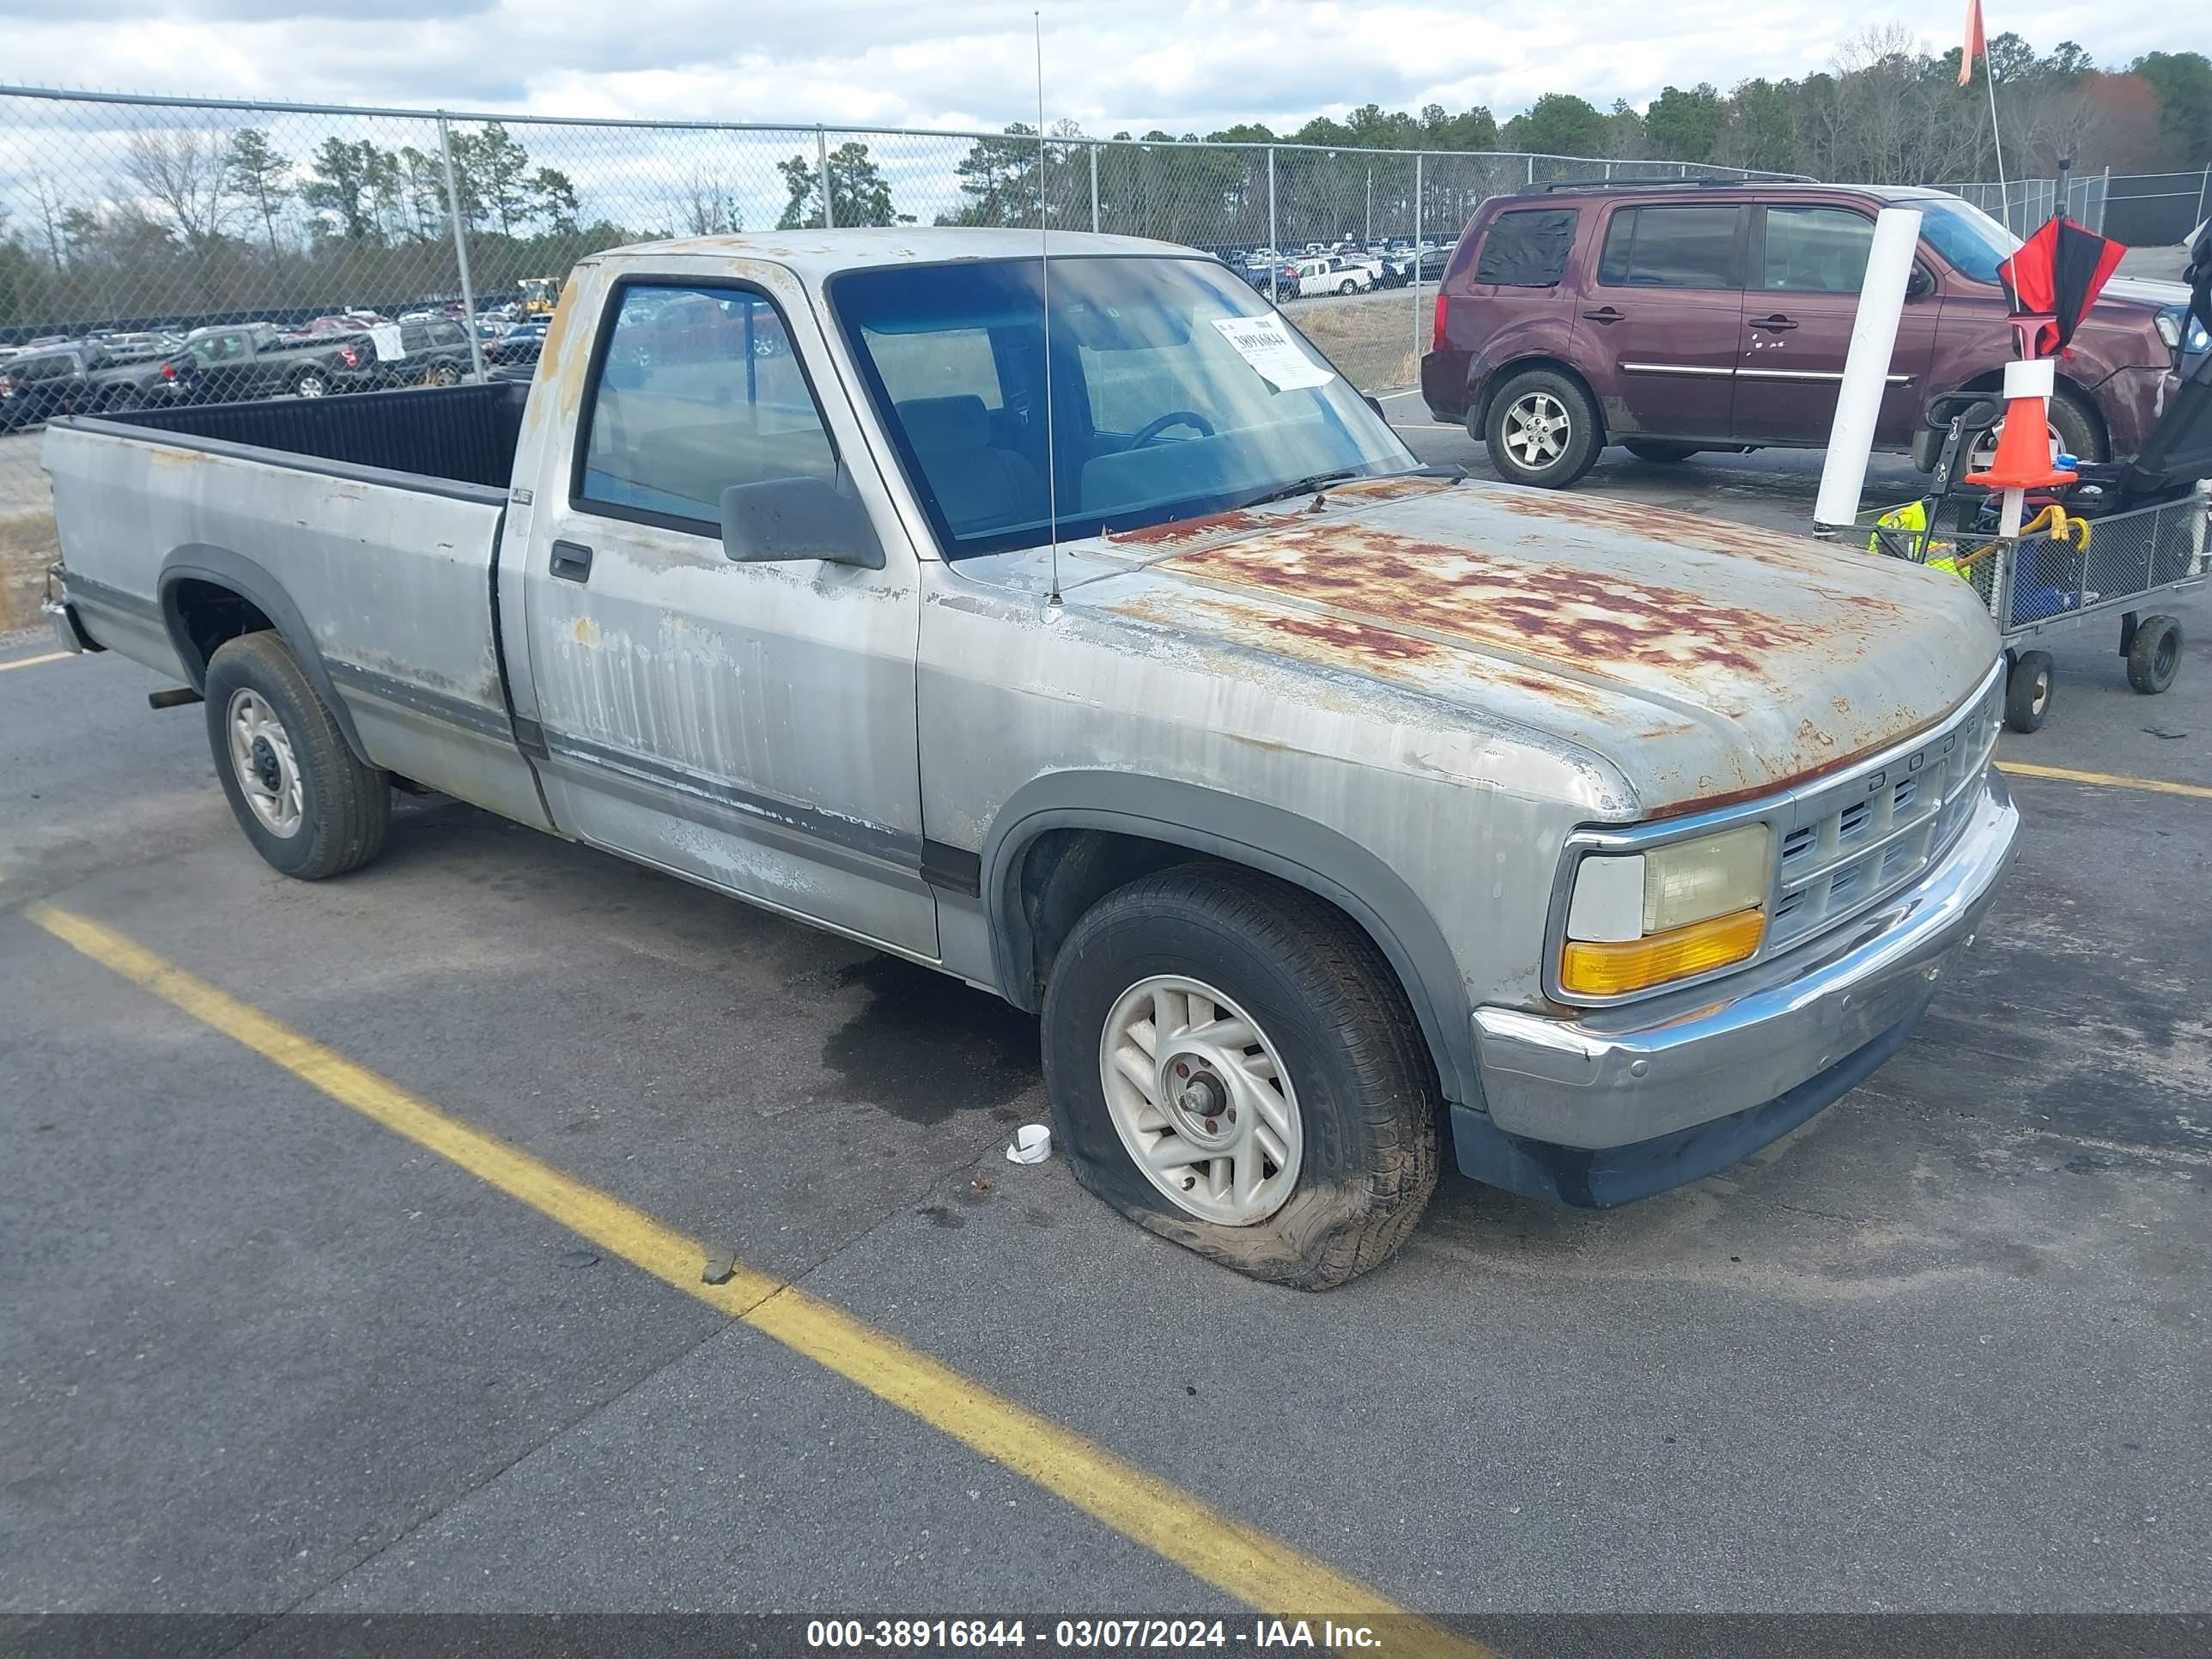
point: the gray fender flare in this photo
(1266, 838)
(219, 566)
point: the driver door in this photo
(748, 726)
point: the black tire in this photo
(1654, 449)
(445, 375)
(2154, 655)
(2028, 686)
(2080, 435)
(310, 383)
(1578, 448)
(345, 807)
(1348, 285)
(124, 399)
(1367, 1097)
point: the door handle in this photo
(1603, 315)
(572, 562)
(1776, 323)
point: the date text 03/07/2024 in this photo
(1083, 1634)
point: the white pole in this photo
(1866, 370)
(1997, 138)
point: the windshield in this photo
(1970, 240)
(1176, 391)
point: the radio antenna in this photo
(1044, 283)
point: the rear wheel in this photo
(310, 383)
(1654, 449)
(1348, 285)
(445, 375)
(125, 397)
(1233, 1066)
(1542, 431)
(307, 804)
(2154, 655)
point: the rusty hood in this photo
(1707, 661)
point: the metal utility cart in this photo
(2067, 569)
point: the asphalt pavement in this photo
(261, 1352)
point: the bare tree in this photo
(185, 172)
(705, 206)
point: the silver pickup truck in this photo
(1115, 657)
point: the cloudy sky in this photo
(1182, 64)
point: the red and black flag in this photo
(2055, 275)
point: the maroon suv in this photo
(1672, 319)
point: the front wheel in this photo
(1233, 1066)
(308, 805)
(445, 375)
(1542, 431)
(2027, 691)
(1348, 285)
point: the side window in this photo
(1527, 248)
(1670, 247)
(699, 389)
(1815, 250)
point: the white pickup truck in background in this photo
(1331, 809)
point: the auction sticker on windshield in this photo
(1266, 343)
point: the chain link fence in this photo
(2021, 205)
(426, 244)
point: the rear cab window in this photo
(1689, 246)
(1527, 247)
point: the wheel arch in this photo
(2082, 397)
(209, 596)
(1129, 825)
(1494, 382)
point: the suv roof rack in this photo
(1662, 183)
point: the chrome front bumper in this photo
(1612, 1077)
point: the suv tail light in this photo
(1436, 339)
(350, 356)
(168, 371)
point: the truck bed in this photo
(364, 530)
(462, 434)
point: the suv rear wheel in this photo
(1543, 430)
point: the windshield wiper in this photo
(1321, 481)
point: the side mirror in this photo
(1920, 284)
(1375, 403)
(804, 518)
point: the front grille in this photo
(1849, 842)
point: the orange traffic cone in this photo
(2023, 457)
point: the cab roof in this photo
(816, 254)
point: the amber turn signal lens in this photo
(1614, 969)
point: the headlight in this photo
(2199, 339)
(2169, 330)
(1640, 919)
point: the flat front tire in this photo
(1233, 1066)
(309, 806)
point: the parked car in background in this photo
(431, 353)
(520, 344)
(84, 378)
(1328, 275)
(1427, 266)
(347, 322)
(1678, 317)
(233, 364)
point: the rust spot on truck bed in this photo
(1583, 618)
(1353, 638)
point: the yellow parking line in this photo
(1242, 1561)
(33, 662)
(2107, 780)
